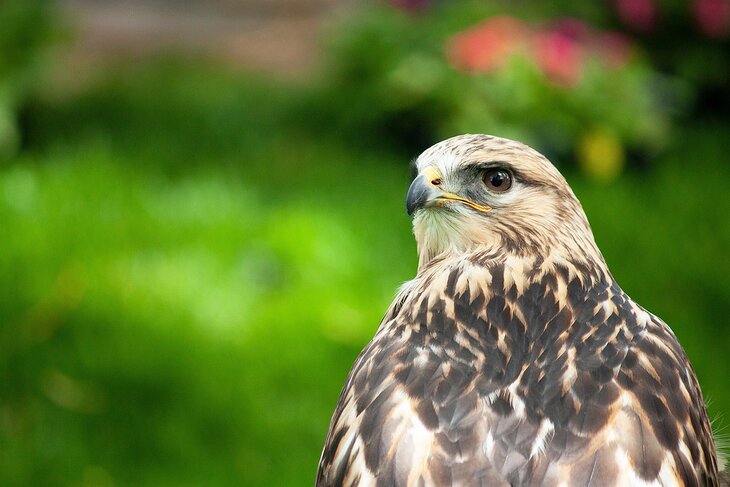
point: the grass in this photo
(190, 261)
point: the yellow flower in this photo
(601, 155)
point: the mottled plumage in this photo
(514, 358)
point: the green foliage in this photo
(26, 28)
(183, 324)
(189, 272)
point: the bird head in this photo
(474, 192)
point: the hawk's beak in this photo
(422, 194)
(425, 193)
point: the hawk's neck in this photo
(515, 282)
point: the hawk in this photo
(513, 357)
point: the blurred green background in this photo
(202, 223)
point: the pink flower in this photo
(487, 46)
(713, 16)
(560, 56)
(637, 14)
(559, 51)
(574, 28)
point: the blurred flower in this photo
(614, 49)
(601, 155)
(411, 5)
(560, 51)
(713, 16)
(573, 28)
(637, 14)
(560, 55)
(487, 46)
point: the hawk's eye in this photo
(497, 180)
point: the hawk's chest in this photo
(516, 325)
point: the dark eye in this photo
(497, 180)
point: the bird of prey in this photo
(513, 357)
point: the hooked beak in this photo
(421, 194)
(424, 192)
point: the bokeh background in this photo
(202, 204)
